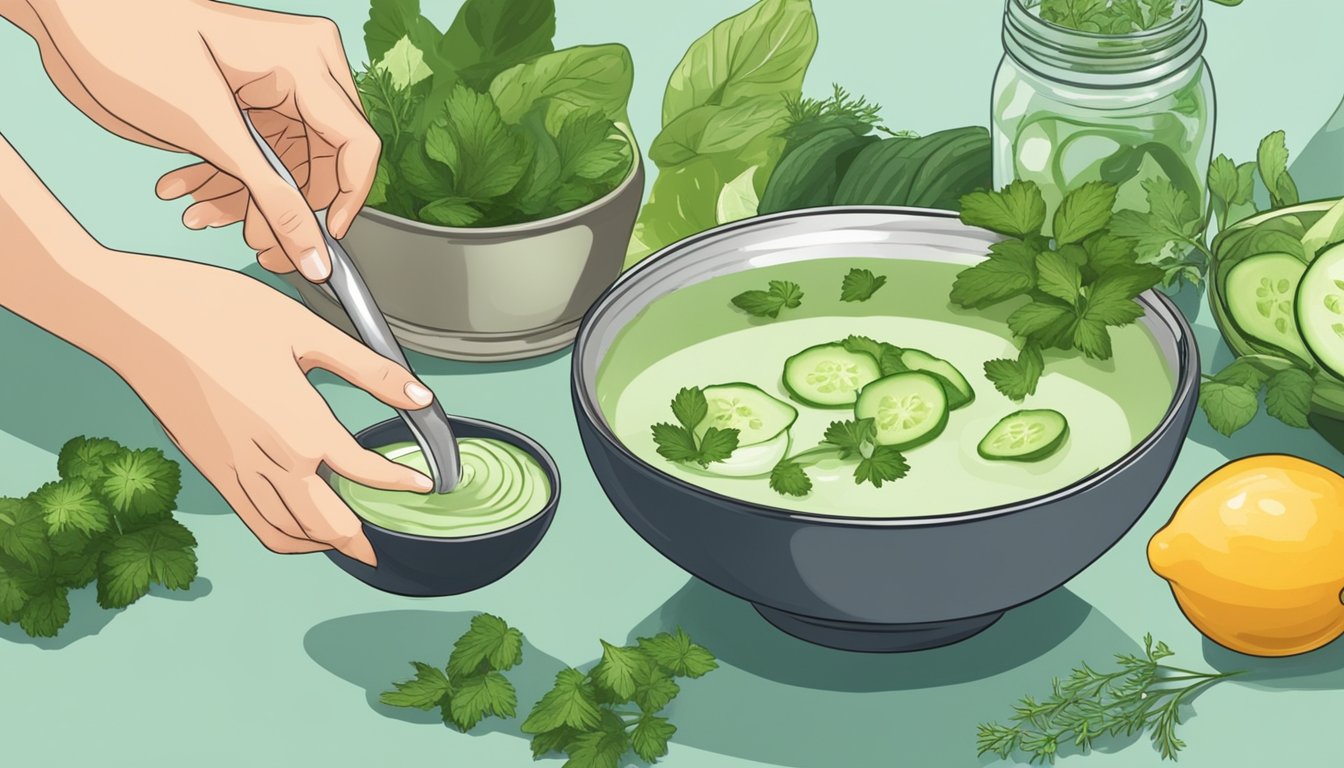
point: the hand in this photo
(232, 395)
(175, 73)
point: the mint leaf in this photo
(1016, 379)
(1058, 277)
(1009, 271)
(569, 703)
(81, 458)
(1017, 210)
(781, 295)
(558, 740)
(589, 146)
(162, 553)
(489, 640)
(884, 465)
(599, 749)
(1091, 338)
(677, 654)
(1272, 162)
(650, 736)
(450, 212)
(690, 407)
(1288, 396)
(860, 285)
(71, 505)
(1083, 212)
(1242, 372)
(429, 686)
(481, 695)
(619, 669)
(1229, 407)
(789, 479)
(656, 691)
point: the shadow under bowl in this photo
(900, 583)
(424, 566)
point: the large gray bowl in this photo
(892, 584)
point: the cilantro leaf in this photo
(82, 457)
(690, 407)
(1288, 396)
(140, 485)
(678, 443)
(489, 640)
(1058, 277)
(1017, 210)
(1229, 407)
(1091, 338)
(1009, 271)
(570, 702)
(789, 479)
(650, 735)
(675, 443)
(1171, 218)
(486, 155)
(1272, 162)
(589, 146)
(1107, 253)
(1016, 379)
(677, 654)
(860, 285)
(851, 436)
(1083, 212)
(888, 356)
(77, 553)
(1230, 186)
(481, 695)
(424, 691)
(1111, 301)
(45, 612)
(23, 531)
(885, 464)
(619, 669)
(598, 749)
(71, 505)
(781, 295)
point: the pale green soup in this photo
(501, 486)
(695, 337)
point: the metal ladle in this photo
(430, 424)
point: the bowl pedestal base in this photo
(876, 638)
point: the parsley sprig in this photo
(781, 295)
(846, 441)
(860, 285)
(109, 519)
(472, 686)
(1142, 694)
(677, 442)
(1077, 285)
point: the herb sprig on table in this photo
(109, 519)
(1078, 285)
(472, 686)
(1142, 694)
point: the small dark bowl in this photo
(898, 583)
(423, 566)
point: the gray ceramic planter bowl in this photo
(496, 293)
(894, 584)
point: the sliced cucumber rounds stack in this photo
(762, 423)
(959, 392)
(828, 375)
(908, 409)
(1261, 294)
(1028, 435)
(1320, 310)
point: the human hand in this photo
(221, 359)
(175, 73)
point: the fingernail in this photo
(418, 393)
(336, 224)
(312, 265)
(192, 220)
(423, 483)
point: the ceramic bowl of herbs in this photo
(507, 187)
(884, 427)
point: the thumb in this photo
(368, 370)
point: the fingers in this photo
(327, 110)
(367, 370)
(176, 183)
(371, 468)
(326, 518)
(258, 235)
(219, 212)
(270, 537)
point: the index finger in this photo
(327, 110)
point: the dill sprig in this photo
(1143, 694)
(807, 116)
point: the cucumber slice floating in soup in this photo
(1029, 435)
(828, 375)
(1320, 310)
(762, 423)
(1260, 293)
(959, 392)
(909, 408)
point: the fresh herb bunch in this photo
(1077, 286)
(472, 686)
(1113, 17)
(781, 295)
(854, 441)
(677, 442)
(597, 718)
(1143, 694)
(108, 519)
(487, 124)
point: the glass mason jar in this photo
(1071, 107)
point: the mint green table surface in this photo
(272, 661)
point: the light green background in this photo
(277, 660)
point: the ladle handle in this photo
(429, 425)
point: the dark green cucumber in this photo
(807, 176)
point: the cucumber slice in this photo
(1028, 435)
(908, 408)
(1320, 310)
(755, 415)
(959, 392)
(828, 375)
(1260, 294)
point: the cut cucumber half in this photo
(908, 408)
(828, 375)
(1320, 310)
(959, 392)
(1025, 436)
(755, 415)
(1261, 292)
